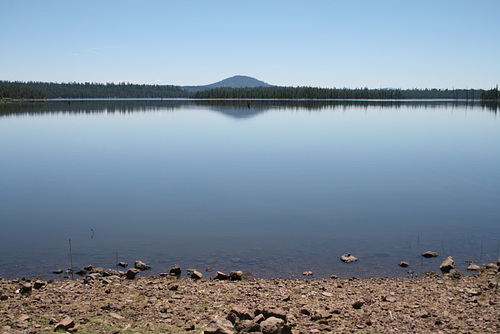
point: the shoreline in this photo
(158, 304)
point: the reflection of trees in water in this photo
(231, 108)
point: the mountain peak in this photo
(237, 81)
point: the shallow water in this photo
(270, 188)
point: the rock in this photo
(272, 325)
(3, 297)
(493, 266)
(175, 271)
(307, 273)
(81, 272)
(58, 271)
(247, 326)
(447, 265)
(219, 326)
(69, 271)
(123, 264)
(132, 272)
(334, 277)
(403, 264)
(348, 258)
(26, 288)
(96, 270)
(236, 275)
(141, 265)
(221, 276)
(116, 316)
(358, 304)
(89, 267)
(429, 254)
(320, 314)
(66, 324)
(38, 285)
(273, 312)
(243, 313)
(23, 318)
(111, 272)
(473, 267)
(195, 274)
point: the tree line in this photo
(44, 90)
(88, 90)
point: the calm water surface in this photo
(274, 189)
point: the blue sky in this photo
(400, 44)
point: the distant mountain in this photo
(238, 81)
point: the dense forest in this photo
(491, 95)
(41, 90)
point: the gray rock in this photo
(348, 258)
(447, 265)
(429, 254)
(132, 272)
(473, 267)
(272, 325)
(141, 265)
(219, 326)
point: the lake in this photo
(267, 187)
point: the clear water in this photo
(269, 188)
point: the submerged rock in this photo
(348, 258)
(141, 265)
(429, 254)
(403, 264)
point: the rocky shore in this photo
(110, 301)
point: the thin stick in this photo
(71, 258)
(116, 262)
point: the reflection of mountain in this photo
(239, 109)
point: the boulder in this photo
(81, 272)
(348, 258)
(89, 267)
(219, 326)
(175, 271)
(236, 275)
(272, 325)
(221, 276)
(132, 272)
(447, 265)
(141, 265)
(58, 271)
(307, 273)
(429, 254)
(247, 326)
(65, 324)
